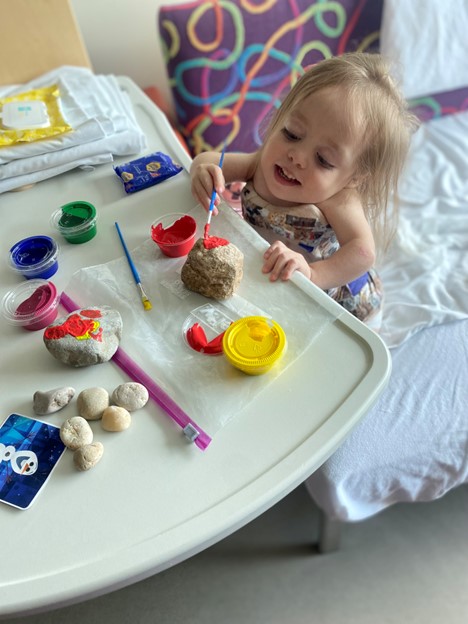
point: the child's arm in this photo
(206, 174)
(355, 256)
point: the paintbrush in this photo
(144, 299)
(213, 196)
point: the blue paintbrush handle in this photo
(127, 253)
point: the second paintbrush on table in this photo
(144, 299)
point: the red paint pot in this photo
(32, 305)
(174, 234)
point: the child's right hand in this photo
(205, 177)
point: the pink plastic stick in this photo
(129, 366)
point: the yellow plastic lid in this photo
(254, 344)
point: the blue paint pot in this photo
(35, 257)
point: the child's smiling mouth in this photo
(284, 178)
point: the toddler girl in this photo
(319, 187)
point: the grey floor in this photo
(408, 565)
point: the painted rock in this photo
(130, 395)
(214, 272)
(85, 337)
(88, 456)
(52, 401)
(92, 402)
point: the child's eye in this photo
(324, 163)
(290, 136)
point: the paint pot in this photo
(204, 328)
(76, 221)
(174, 234)
(35, 257)
(254, 344)
(32, 305)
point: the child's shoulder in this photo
(347, 200)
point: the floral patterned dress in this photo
(304, 229)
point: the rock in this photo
(116, 418)
(52, 400)
(130, 395)
(88, 456)
(215, 272)
(85, 337)
(76, 432)
(92, 402)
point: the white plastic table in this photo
(155, 499)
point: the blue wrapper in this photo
(146, 171)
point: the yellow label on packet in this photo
(45, 101)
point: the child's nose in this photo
(297, 157)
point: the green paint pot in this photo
(76, 221)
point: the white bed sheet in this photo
(425, 274)
(413, 444)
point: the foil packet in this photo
(43, 103)
(146, 171)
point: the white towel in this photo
(103, 123)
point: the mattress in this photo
(413, 444)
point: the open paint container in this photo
(204, 328)
(32, 305)
(254, 344)
(35, 257)
(174, 234)
(76, 221)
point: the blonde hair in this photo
(387, 126)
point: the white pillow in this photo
(427, 41)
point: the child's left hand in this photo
(281, 262)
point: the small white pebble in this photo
(92, 402)
(52, 401)
(130, 395)
(88, 456)
(115, 418)
(76, 432)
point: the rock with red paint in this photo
(85, 337)
(214, 271)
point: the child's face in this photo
(312, 155)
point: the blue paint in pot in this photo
(35, 257)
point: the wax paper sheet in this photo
(208, 388)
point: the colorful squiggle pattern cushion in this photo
(440, 104)
(230, 61)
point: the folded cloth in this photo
(103, 124)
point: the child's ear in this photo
(356, 180)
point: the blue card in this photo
(29, 451)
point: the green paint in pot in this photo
(76, 221)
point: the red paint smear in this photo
(211, 242)
(179, 231)
(197, 339)
(91, 313)
(77, 327)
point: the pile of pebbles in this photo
(113, 410)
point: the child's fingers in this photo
(204, 181)
(279, 262)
